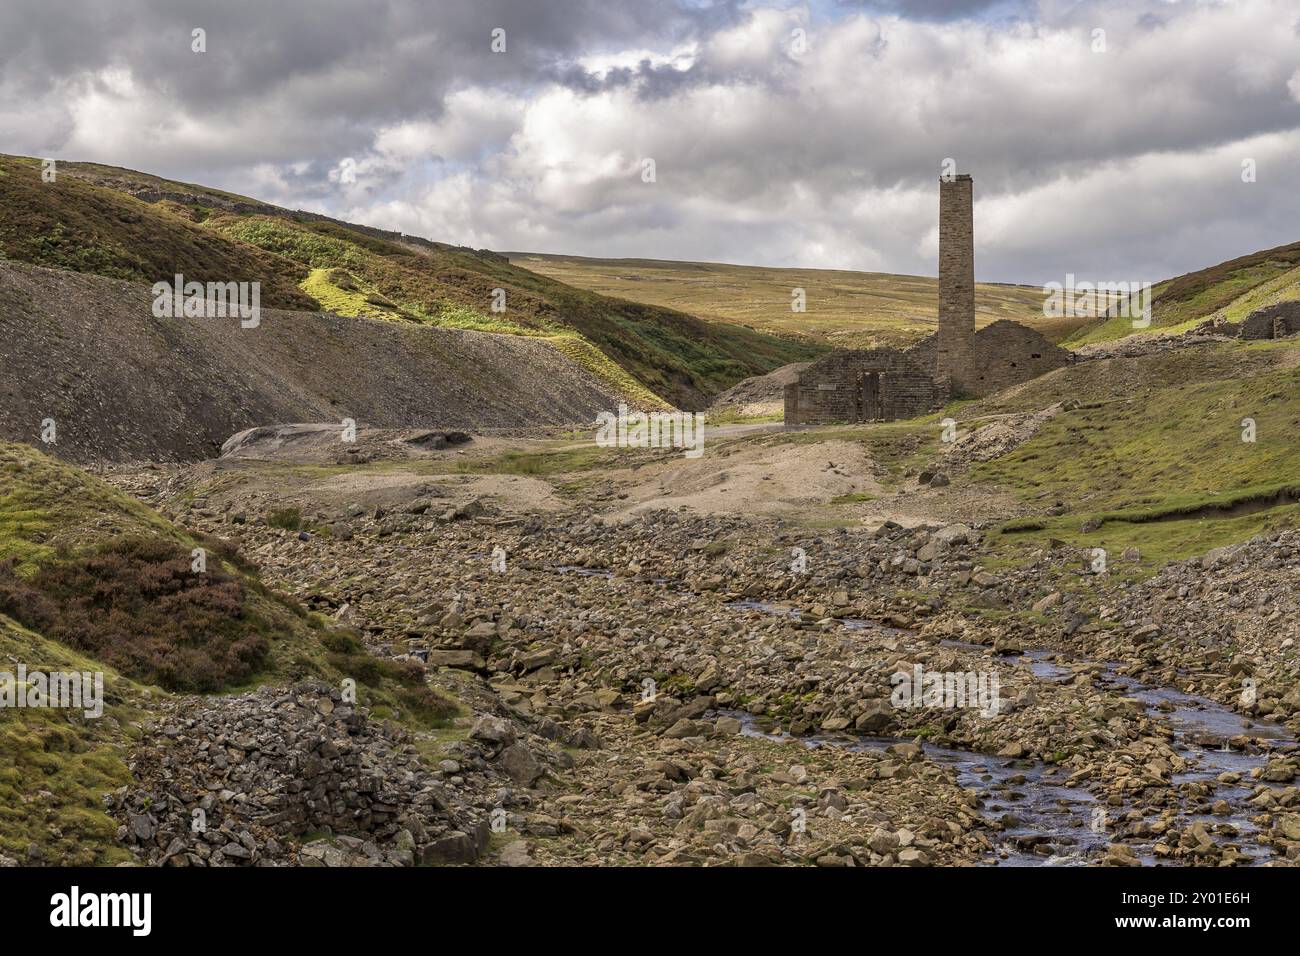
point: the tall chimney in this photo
(956, 281)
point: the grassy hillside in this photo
(91, 580)
(1165, 468)
(133, 226)
(1230, 290)
(844, 309)
(73, 224)
(1153, 458)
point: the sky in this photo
(1115, 140)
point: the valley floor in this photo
(664, 661)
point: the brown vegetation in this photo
(138, 606)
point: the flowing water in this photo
(1045, 822)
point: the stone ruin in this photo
(957, 361)
(267, 770)
(1275, 321)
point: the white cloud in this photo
(1084, 162)
(1124, 162)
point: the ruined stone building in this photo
(957, 361)
(1275, 321)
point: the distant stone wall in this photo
(888, 384)
(1007, 353)
(862, 385)
(1272, 322)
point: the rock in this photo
(1119, 854)
(607, 697)
(1288, 824)
(520, 765)
(515, 854)
(142, 827)
(726, 726)
(877, 718)
(462, 660)
(323, 853)
(954, 534)
(1043, 605)
(1145, 634)
(493, 730)
(470, 509)
(685, 727)
(452, 848)
(883, 842)
(536, 660)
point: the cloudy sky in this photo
(1106, 138)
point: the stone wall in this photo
(1002, 354)
(1007, 353)
(888, 384)
(294, 761)
(862, 385)
(956, 281)
(1273, 321)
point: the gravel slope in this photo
(123, 386)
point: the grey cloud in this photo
(939, 9)
(345, 66)
(764, 157)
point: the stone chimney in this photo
(956, 282)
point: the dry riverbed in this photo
(683, 688)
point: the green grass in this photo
(1184, 440)
(1158, 541)
(328, 286)
(450, 315)
(733, 415)
(72, 224)
(843, 309)
(1230, 289)
(853, 498)
(56, 765)
(45, 505)
(52, 512)
(649, 356)
(90, 222)
(338, 292)
(900, 449)
(561, 461)
(622, 383)
(1168, 473)
(289, 519)
(1282, 288)
(1134, 379)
